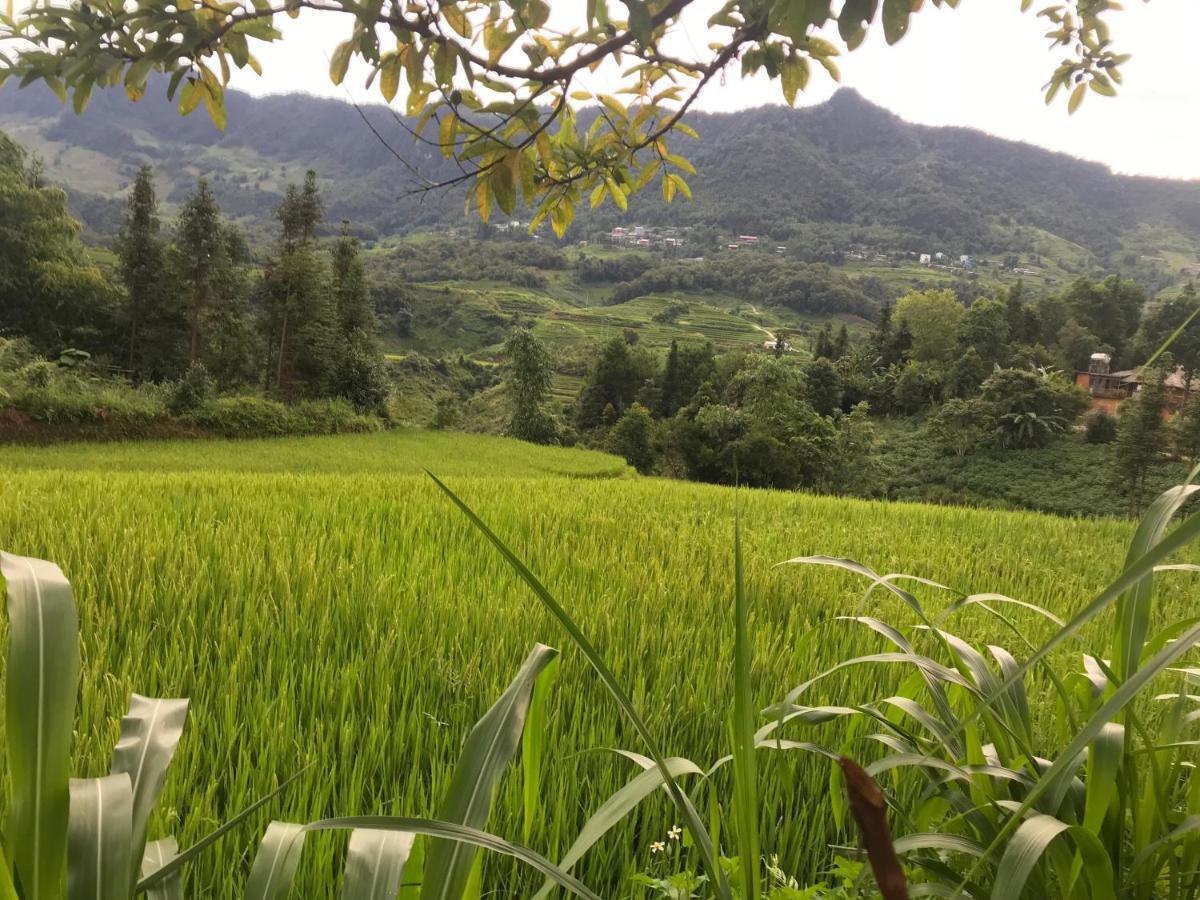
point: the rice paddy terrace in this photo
(323, 605)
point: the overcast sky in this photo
(982, 65)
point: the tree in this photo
(1077, 344)
(984, 328)
(1141, 435)
(1189, 429)
(50, 292)
(153, 327)
(211, 287)
(529, 378)
(958, 426)
(1172, 314)
(1029, 409)
(351, 291)
(359, 375)
(618, 375)
(1111, 310)
(633, 438)
(933, 317)
(823, 386)
(300, 319)
(520, 137)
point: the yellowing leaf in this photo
(446, 132)
(598, 195)
(483, 196)
(617, 194)
(340, 61)
(1077, 96)
(389, 77)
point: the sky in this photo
(982, 65)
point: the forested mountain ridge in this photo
(843, 172)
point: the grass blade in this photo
(691, 818)
(375, 863)
(276, 862)
(1032, 840)
(745, 771)
(43, 679)
(616, 808)
(177, 863)
(158, 854)
(488, 751)
(463, 834)
(150, 733)
(100, 838)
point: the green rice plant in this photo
(1101, 800)
(84, 836)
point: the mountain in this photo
(843, 171)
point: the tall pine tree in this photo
(299, 321)
(153, 324)
(360, 376)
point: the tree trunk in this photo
(282, 354)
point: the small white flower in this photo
(674, 832)
(658, 847)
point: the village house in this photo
(1108, 389)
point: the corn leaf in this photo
(375, 863)
(276, 862)
(43, 678)
(150, 733)
(488, 751)
(158, 854)
(100, 838)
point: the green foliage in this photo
(1100, 427)
(1142, 437)
(50, 293)
(959, 426)
(619, 373)
(823, 386)
(255, 417)
(933, 318)
(529, 378)
(985, 329)
(1030, 409)
(1111, 310)
(151, 315)
(632, 437)
(193, 389)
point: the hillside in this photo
(839, 173)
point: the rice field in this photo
(323, 605)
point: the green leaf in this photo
(486, 754)
(1077, 96)
(640, 21)
(617, 194)
(340, 61)
(375, 863)
(42, 681)
(158, 854)
(164, 873)
(150, 734)
(615, 809)
(853, 18)
(275, 863)
(1031, 841)
(533, 748)
(504, 184)
(450, 831)
(82, 95)
(100, 838)
(896, 14)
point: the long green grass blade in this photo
(275, 864)
(695, 824)
(158, 854)
(1104, 762)
(43, 679)
(615, 809)
(150, 733)
(468, 801)
(745, 770)
(375, 863)
(100, 838)
(173, 866)
(8, 890)
(454, 832)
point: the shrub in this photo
(362, 379)
(334, 416)
(245, 417)
(193, 389)
(1030, 409)
(1100, 427)
(633, 438)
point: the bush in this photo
(1100, 427)
(191, 391)
(362, 379)
(245, 417)
(633, 438)
(334, 416)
